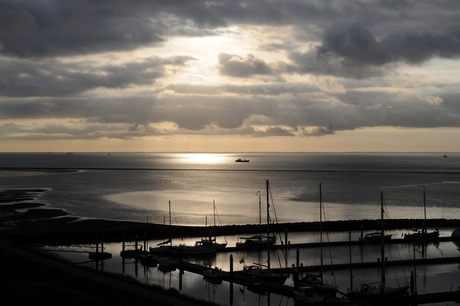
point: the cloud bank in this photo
(133, 69)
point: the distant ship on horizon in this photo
(239, 160)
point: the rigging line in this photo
(220, 223)
(273, 204)
(276, 222)
(329, 247)
(387, 216)
(175, 218)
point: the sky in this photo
(230, 76)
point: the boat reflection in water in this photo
(422, 235)
(259, 272)
(436, 278)
(378, 290)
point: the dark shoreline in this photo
(68, 230)
(27, 276)
(30, 222)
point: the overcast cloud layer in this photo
(114, 69)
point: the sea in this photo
(139, 187)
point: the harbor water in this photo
(138, 187)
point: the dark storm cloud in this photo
(357, 46)
(353, 51)
(50, 131)
(311, 63)
(317, 131)
(237, 66)
(197, 114)
(53, 28)
(42, 28)
(269, 89)
(53, 78)
(46, 71)
(62, 28)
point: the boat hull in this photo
(374, 293)
(256, 273)
(161, 250)
(308, 296)
(421, 236)
(192, 250)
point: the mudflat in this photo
(25, 220)
(27, 277)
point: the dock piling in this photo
(231, 268)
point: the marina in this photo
(227, 262)
(135, 189)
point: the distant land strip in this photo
(76, 169)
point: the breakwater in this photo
(69, 230)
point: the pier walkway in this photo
(239, 278)
(333, 243)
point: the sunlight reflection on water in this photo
(192, 209)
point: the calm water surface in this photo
(433, 278)
(138, 187)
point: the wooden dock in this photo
(238, 277)
(332, 243)
(373, 264)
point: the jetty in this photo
(238, 277)
(332, 243)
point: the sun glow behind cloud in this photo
(205, 49)
(300, 74)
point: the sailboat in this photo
(204, 246)
(378, 290)
(307, 295)
(164, 248)
(259, 272)
(423, 235)
(258, 241)
(315, 281)
(212, 239)
(166, 264)
(200, 248)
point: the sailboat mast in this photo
(268, 226)
(424, 213)
(321, 228)
(214, 213)
(382, 248)
(260, 214)
(169, 213)
(170, 229)
(351, 264)
(424, 203)
(214, 210)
